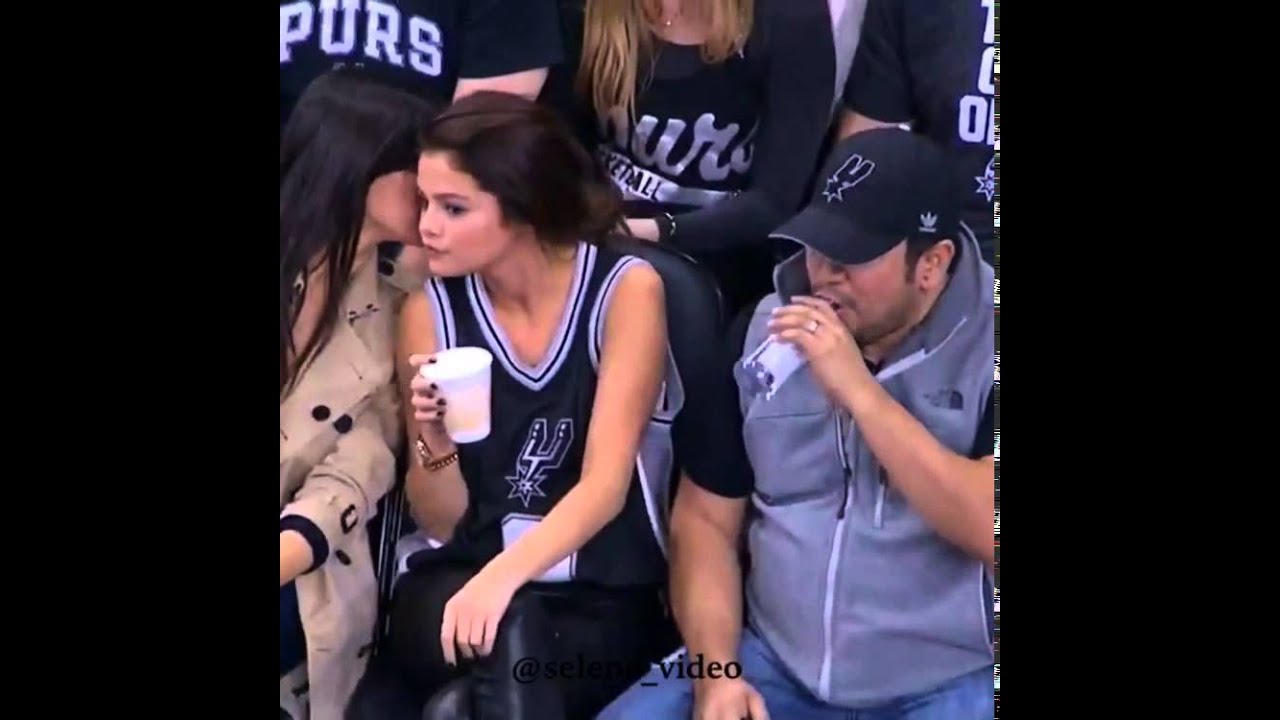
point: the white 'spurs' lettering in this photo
(389, 37)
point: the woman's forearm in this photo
(437, 500)
(582, 513)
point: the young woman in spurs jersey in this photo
(550, 531)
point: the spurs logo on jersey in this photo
(362, 31)
(541, 454)
(977, 112)
(645, 170)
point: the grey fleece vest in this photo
(858, 596)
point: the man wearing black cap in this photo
(870, 586)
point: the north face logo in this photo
(946, 399)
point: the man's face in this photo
(876, 298)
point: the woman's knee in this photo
(451, 702)
(417, 611)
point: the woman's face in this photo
(461, 226)
(391, 208)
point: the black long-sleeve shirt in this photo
(729, 149)
(790, 63)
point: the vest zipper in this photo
(837, 545)
(845, 470)
(880, 490)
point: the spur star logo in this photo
(542, 453)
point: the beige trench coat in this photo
(340, 427)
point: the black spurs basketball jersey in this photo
(538, 431)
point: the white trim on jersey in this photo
(535, 378)
(651, 506)
(446, 325)
(599, 310)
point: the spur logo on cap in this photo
(853, 171)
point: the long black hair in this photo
(344, 133)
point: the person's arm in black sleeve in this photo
(797, 84)
(508, 46)
(984, 441)
(709, 512)
(878, 91)
(708, 430)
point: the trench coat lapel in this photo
(343, 373)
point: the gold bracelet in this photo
(428, 461)
(443, 462)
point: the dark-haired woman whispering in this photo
(551, 526)
(347, 162)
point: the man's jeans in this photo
(969, 697)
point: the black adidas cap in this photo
(878, 188)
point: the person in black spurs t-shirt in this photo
(552, 524)
(709, 116)
(932, 63)
(436, 49)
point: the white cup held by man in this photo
(463, 376)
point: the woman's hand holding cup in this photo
(429, 406)
(451, 393)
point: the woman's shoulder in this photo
(632, 285)
(615, 263)
(777, 20)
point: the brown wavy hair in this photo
(524, 155)
(617, 45)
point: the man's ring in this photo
(812, 327)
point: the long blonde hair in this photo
(617, 42)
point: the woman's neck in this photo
(367, 242)
(678, 24)
(529, 276)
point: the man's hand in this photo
(812, 326)
(728, 699)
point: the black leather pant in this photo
(617, 632)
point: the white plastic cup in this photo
(463, 377)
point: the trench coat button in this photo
(320, 413)
(343, 558)
(343, 424)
